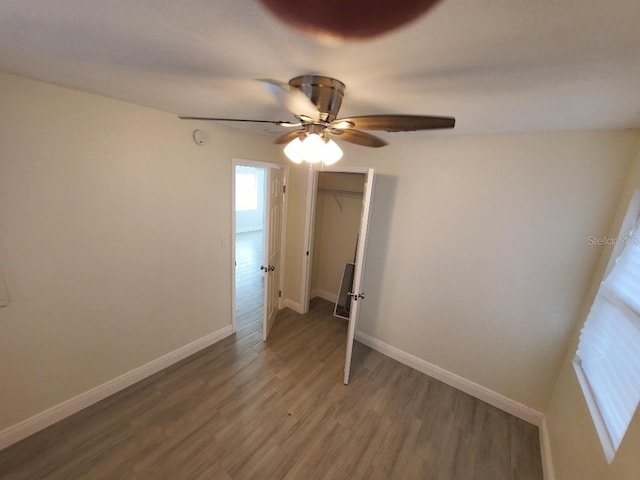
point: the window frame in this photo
(629, 223)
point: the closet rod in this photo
(344, 193)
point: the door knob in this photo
(262, 267)
(271, 268)
(355, 296)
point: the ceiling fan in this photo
(315, 101)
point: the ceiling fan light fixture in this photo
(313, 149)
(332, 153)
(295, 151)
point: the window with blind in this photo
(608, 358)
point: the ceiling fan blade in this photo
(358, 137)
(292, 99)
(274, 122)
(287, 137)
(396, 123)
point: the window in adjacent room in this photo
(247, 190)
(608, 358)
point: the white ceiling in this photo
(496, 65)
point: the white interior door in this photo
(358, 295)
(273, 250)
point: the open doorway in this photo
(336, 225)
(338, 210)
(249, 245)
(259, 212)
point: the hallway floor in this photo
(249, 279)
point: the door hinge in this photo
(279, 293)
(307, 253)
(284, 189)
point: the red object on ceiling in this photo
(347, 19)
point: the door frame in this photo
(257, 164)
(309, 226)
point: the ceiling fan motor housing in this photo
(324, 92)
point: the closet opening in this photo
(336, 224)
(338, 209)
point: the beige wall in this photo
(337, 223)
(111, 221)
(575, 446)
(111, 227)
(478, 257)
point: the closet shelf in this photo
(342, 193)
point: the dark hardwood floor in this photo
(244, 409)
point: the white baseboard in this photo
(249, 229)
(545, 451)
(58, 412)
(467, 386)
(295, 306)
(331, 297)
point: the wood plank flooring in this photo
(244, 409)
(249, 278)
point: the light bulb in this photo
(332, 153)
(295, 151)
(313, 147)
